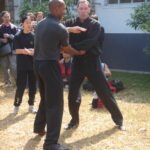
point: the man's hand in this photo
(32, 51)
(27, 52)
(82, 52)
(76, 29)
(70, 50)
(3, 40)
(6, 35)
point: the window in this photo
(112, 1)
(125, 1)
(138, 1)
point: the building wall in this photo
(17, 5)
(9, 5)
(115, 16)
(13, 6)
(2, 5)
(126, 52)
(123, 46)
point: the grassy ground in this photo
(96, 130)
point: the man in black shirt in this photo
(50, 37)
(88, 65)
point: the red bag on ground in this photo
(113, 90)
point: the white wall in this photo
(114, 16)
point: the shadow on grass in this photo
(10, 120)
(32, 143)
(86, 141)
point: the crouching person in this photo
(65, 65)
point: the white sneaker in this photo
(16, 109)
(32, 109)
(122, 128)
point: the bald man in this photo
(50, 37)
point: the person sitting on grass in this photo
(95, 99)
(65, 65)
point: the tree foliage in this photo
(43, 6)
(28, 7)
(140, 19)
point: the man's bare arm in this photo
(76, 29)
(70, 50)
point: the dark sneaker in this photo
(71, 125)
(42, 133)
(54, 147)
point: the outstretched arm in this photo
(70, 50)
(76, 29)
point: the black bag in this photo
(94, 103)
(5, 50)
(88, 86)
(118, 84)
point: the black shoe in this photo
(42, 133)
(72, 125)
(54, 147)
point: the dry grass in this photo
(96, 130)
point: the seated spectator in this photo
(65, 64)
(96, 102)
(114, 85)
(88, 86)
(106, 70)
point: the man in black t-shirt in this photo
(50, 37)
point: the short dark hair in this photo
(23, 18)
(55, 3)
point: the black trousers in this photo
(51, 105)
(90, 67)
(24, 77)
